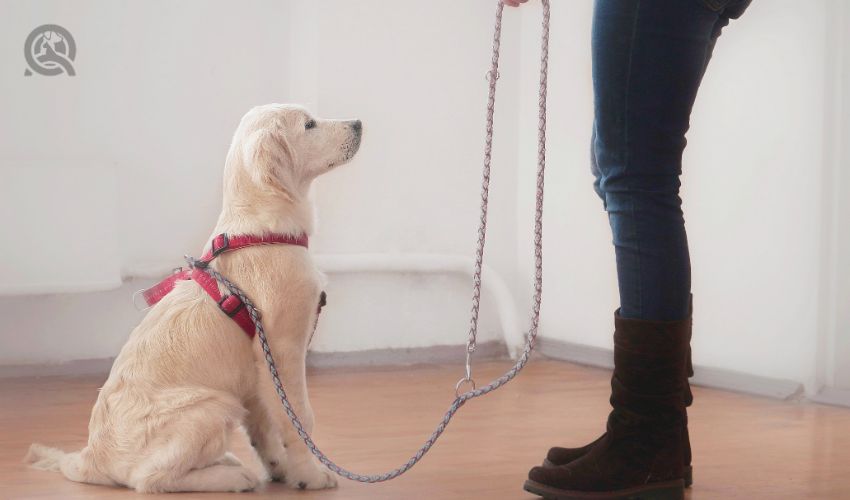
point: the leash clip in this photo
(467, 379)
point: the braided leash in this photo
(460, 399)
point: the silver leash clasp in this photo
(467, 379)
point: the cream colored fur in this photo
(188, 375)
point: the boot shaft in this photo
(650, 367)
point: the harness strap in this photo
(228, 243)
(231, 305)
(155, 293)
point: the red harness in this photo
(231, 305)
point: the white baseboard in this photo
(408, 356)
(833, 396)
(555, 349)
(373, 357)
(704, 376)
(76, 368)
(575, 353)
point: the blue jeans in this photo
(649, 57)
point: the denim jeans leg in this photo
(649, 57)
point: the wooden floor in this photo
(372, 420)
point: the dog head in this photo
(282, 148)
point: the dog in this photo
(188, 375)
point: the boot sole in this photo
(668, 490)
(688, 470)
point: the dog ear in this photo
(267, 148)
(268, 154)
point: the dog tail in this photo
(71, 465)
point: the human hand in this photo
(513, 3)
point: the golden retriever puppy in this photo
(188, 375)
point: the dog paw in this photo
(277, 470)
(310, 476)
(247, 481)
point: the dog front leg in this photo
(302, 469)
(264, 432)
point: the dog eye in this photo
(310, 124)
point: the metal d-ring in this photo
(462, 381)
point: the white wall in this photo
(752, 192)
(414, 75)
(834, 348)
(161, 85)
(160, 88)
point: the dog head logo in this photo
(50, 50)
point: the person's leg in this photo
(648, 61)
(649, 57)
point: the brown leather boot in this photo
(641, 454)
(557, 455)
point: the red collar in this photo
(230, 305)
(228, 243)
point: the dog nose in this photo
(357, 126)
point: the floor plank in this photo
(372, 419)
